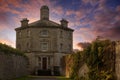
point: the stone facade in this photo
(117, 60)
(44, 42)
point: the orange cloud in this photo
(10, 43)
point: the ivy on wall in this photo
(73, 63)
(100, 59)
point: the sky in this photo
(89, 18)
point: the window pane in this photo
(44, 33)
(44, 46)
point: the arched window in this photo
(44, 33)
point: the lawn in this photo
(62, 78)
(32, 77)
(24, 78)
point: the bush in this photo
(9, 50)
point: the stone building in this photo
(44, 42)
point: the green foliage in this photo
(9, 50)
(99, 56)
(97, 59)
(77, 59)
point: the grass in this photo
(30, 77)
(24, 78)
(62, 78)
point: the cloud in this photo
(105, 22)
(10, 43)
(83, 45)
(92, 2)
(90, 19)
(58, 10)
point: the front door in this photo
(44, 63)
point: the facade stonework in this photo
(44, 42)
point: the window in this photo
(44, 46)
(28, 33)
(61, 46)
(19, 34)
(61, 34)
(19, 47)
(39, 62)
(69, 47)
(48, 60)
(28, 46)
(39, 59)
(44, 33)
(69, 35)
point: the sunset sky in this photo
(89, 18)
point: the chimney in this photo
(44, 14)
(64, 23)
(24, 22)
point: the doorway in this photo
(44, 63)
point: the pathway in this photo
(44, 78)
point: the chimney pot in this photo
(64, 23)
(24, 22)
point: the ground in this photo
(43, 78)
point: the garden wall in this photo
(12, 66)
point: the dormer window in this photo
(44, 33)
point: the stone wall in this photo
(117, 65)
(12, 66)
